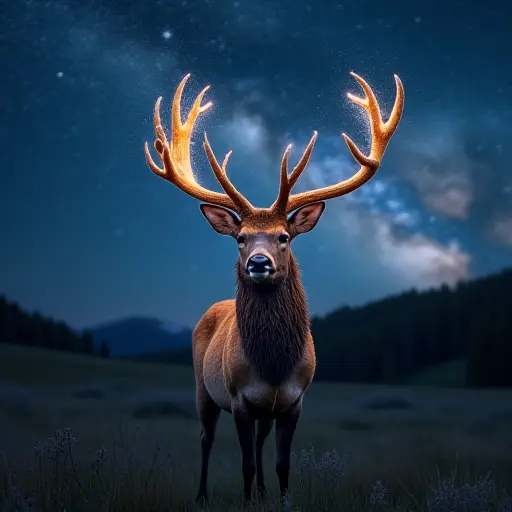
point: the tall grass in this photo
(357, 448)
(58, 480)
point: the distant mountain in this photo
(136, 336)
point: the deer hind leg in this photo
(208, 412)
(264, 426)
(286, 424)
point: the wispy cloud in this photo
(248, 137)
(501, 230)
(247, 133)
(420, 260)
(438, 166)
(460, 172)
(250, 90)
(414, 258)
(450, 195)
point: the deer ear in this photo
(221, 220)
(305, 218)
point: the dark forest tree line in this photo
(32, 329)
(400, 336)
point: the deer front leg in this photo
(208, 413)
(286, 424)
(264, 426)
(245, 427)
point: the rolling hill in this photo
(134, 336)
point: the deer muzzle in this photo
(259, 267)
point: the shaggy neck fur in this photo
(273, 322)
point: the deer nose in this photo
(259, 263)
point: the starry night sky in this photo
(88, 233)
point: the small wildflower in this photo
(331, 464)
(101, 454)
(306, 459)
(99, 459)
(55, 445)
(286, 504)
(450, 497)
(328, 471)
(379, 495)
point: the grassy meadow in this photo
(83, 434)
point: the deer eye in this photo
(283, 239)
(240, 240)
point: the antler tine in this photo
(369, 102)
(181, 132)
(292, 178)
(303, 162)
(398, 107)
(381, 134)
(159, 131)
(279, 206)
(175, 154)
(243, 205)
(160, 142)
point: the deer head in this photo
(264, 234)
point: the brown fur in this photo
(263, 331)
(273, 323)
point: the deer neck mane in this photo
(273, 322)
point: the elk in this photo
(254, 355)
